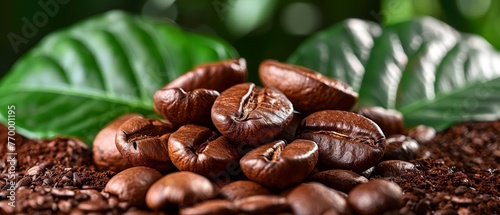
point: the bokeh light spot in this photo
(300, 18)
(473, 9)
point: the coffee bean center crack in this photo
(359, 139)
(273, 154)
(248, 104)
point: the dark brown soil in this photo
(458, 172)
(42, 168)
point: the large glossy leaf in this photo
(430, 72)
(76, 80)
(340, 51)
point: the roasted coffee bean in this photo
(40, 202)
(47, 181)
(24, 182)
(36, 170)
(179, 188)
(211, 207)
(346, 140)
(93, 194)
(104, 152)
(46, 164)
(400, 147)
(339, 179)
(124, 205)
(315, 198)
(248, 114)
(70, 187)
(200, 150)
(216, 76)
(309, 91)
(179, 107)
(4, 193)
(64, 206)
(113, 201)
(93, 206)
(61, 192)
(278, 165)
(76, 211)
(375, 197)
(392, 168)
(422, 133)
(389, 120)
(5, 208)
(262, 204)
(80, 196)
(131, 185)
(21, 192)
(43, 190)
(242, 189)
(144, 142)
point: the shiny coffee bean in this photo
(278, 165)
(249, 114)
(422, 133)
(262, 204)
(389, 120)
(179, 107)
(144, 142)
(211, 207)
(339, 179)
(400, 147)
(242, 189)
(131, 185)
(200, 150)
(392, 168)
(216, 76)
(89, 207)
(315, 198)
(104, 152)
(309, 91)
(375, 197)
(346, 140)
(5, 208)
(179, 188)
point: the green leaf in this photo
(340, 51)
(78, 79)
(422, 67)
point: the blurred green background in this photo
(258, 29)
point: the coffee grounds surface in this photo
(46, 169)
(458, 172)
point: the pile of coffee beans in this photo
(225, 146)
